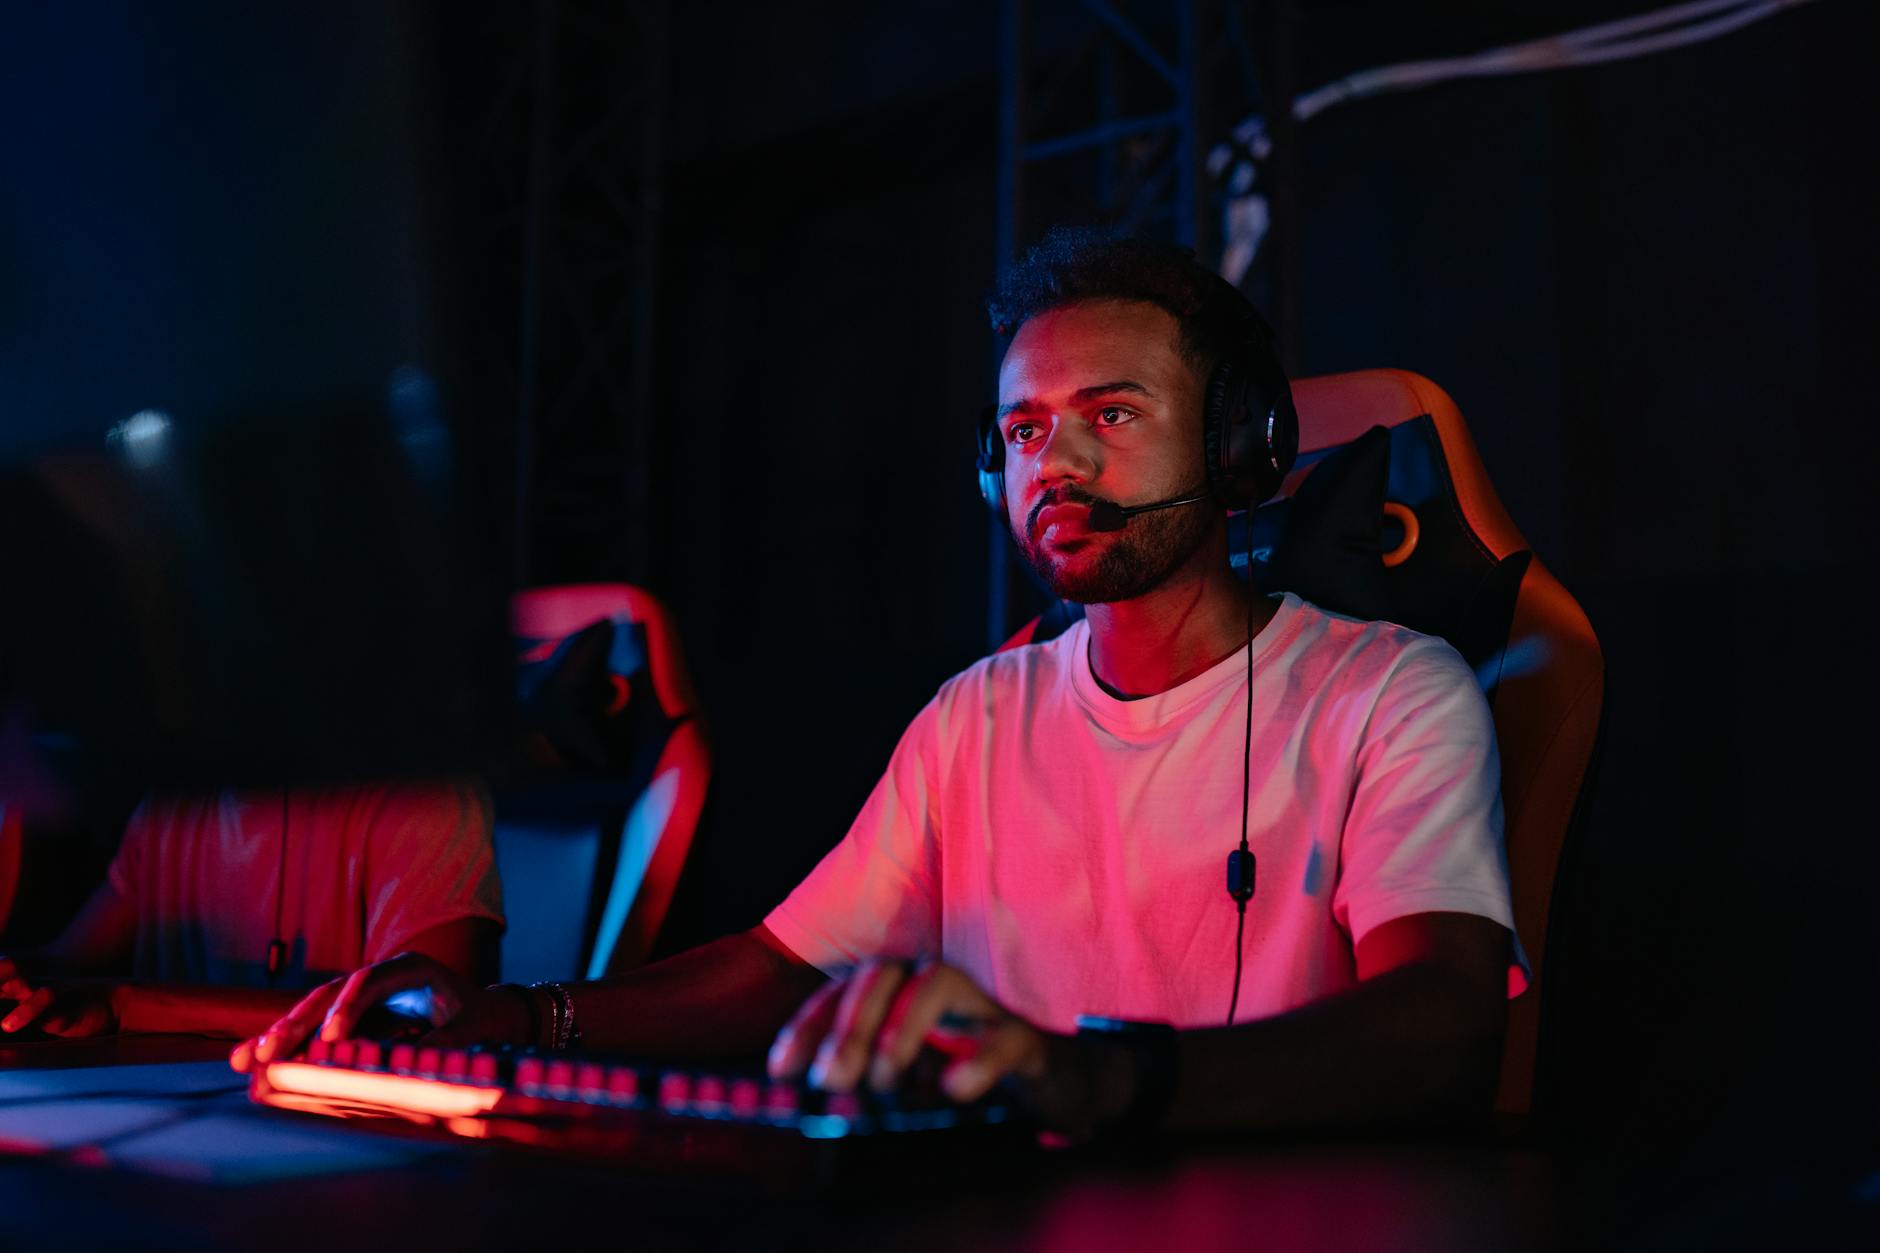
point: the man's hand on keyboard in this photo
(871, 1026)
(58, 1008)
(458, 1012)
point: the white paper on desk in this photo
(253, 1145)
(165, 1079)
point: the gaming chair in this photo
(591, 839)
(1442, 557)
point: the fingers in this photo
(69, 1010)
(61, 1019)
(241, 1059)
(354, 999)
(899, 1042)
(943, 1008)
(77, 1016)
(285, 1037)
(878, 1020)
(334, 1008)
(30, 1008)
(1012, 1047)
(791, 1052)
(850, 1042)
(13, 983)
(372, 985)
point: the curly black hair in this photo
(1074, 264)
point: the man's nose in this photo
(1068, 452)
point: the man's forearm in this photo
(1411, 1045)
(726, 998)
(231, 1013)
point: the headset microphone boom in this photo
(1107, 515)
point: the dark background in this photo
(1648, 285)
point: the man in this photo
(1048, 838)
(228, 905)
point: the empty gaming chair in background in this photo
(1402, 524)
(591, 841)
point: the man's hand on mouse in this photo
(65, 1009)
(870, 1027)
(460, 1014)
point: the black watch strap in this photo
(1156, 1050)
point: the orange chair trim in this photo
(1335, 409)
(559, 611)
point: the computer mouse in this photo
(394, 1019)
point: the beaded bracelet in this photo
(562, 1034)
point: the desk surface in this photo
(148, 1144)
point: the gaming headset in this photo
(1250, 430)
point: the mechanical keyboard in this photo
(596, 1106)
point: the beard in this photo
(1137, 560)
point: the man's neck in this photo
(1184, 627)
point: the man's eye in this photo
(1114, 415)
(1021, 432)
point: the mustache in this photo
(1068, 495)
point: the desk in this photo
(240, 1187)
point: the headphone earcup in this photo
(992, 488)
(992, 463)
(1250, 431)
(1223, 428)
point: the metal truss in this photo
(567, 170)
(1105, 113)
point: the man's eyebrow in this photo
(1028, 405)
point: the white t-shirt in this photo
(368, 869)
(1069, 849)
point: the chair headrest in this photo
(1387, 515)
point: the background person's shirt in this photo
(1069, 849)
(367, 869)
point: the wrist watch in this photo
(1156, 1051)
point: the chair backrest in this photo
(1458, 567)
(590, 851)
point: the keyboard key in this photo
(746, 1100)
(708, 1095)
(623, 1085)
(530, 1072)
(782, 1103)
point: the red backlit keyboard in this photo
(591, 1106)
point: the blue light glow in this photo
(142, 437)
(824, 1126)
(416, 1002)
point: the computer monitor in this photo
(234, 535)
